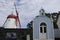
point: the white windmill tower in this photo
(12, 20)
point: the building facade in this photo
(46, 26)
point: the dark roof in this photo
(48, 15)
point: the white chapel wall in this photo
(36, 27)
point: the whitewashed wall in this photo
(36, 24)
(10, 23)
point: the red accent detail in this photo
(13, 16)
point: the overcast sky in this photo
(27, 9)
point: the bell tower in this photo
(42, 12)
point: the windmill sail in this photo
(17, 14)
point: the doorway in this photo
(43, 31)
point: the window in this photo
(43, 27)
(10, 35)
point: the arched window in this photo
(43, 27)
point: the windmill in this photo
(15, 21)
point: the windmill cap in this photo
(12, 16)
